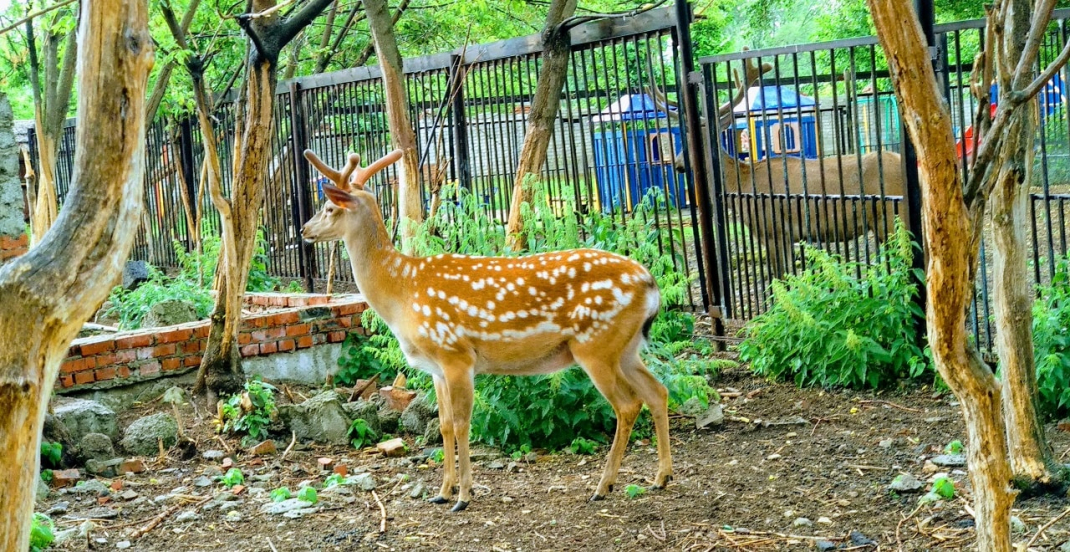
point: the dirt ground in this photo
(782, 454)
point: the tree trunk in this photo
(1031, 457)
(951, 231)
(47, 294)
(557, 45)
(410, 211)
(220, 369)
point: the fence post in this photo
(301, 209)
(711, 290)
(461, 169)
(926, 16)
(185, 153)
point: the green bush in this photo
(551, 411)
(1051, 341)
(830, 327)
(251, 412)
(41, 533)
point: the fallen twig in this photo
(898, 527)
(359, 390)
(382, 513)
(273, 549)
(1045, 528)
(158, 519)
(293, 439)
(891, 404)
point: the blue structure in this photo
(781, 122)
(630, 154)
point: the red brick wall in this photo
(300, 321)
(13, 247)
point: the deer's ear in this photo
(339, 197)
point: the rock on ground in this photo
(96, 446)
(364, 410)
(142, 435)
(415, 417)
(135, 273)
(433, 432)
(321, 419)
(169, 313)
(81, 417)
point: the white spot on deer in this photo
(520, 281)
(625, 278)
(473, 311)
(571, 293)
(483, 324)
(441, 294)
(497, 268)
(598, 299)
(586, 267)
(587, 301)
(422, 331)
(490, 305)
(416, 307)
(533, 291)
(427, 310)
(405, 271)
(500, 295)
(604, 284)
(586, 286)
(573, 257)
(623, 299)
(510, 287)
(453, 300)
(465, 278)
(522, 314)
(463, 305)
(572, 272)
(430, 292)
(477, 285)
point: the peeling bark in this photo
(51, 291)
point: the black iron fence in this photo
(813, 151)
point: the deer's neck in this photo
(736, 174)
(379, 269)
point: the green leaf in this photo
(634, 491)
(308, 494)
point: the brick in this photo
(149, 368)
(269, 334)
(204, 345)
(260, 321)
(284, 318)
(346, 308)
(146, 353)
(245, 338)
(72, 366)
(66, 381)
(132, 465)
(134, 341)
(277, 301)
(286, 345)
(336, 337)
(296, 301)
(105, 360)
(189, 347)
(268, 348)
(98, 346)
(90, 362)
(164, 350)
(298, 329)
(202, 331)
(171, 363)
(304, 342)
(345, 322)
(318, 300)
(83, 377)
(319, 339)
(193, 360)
(250, 350)
(104, 374)
(65, 478)
(174, 336)
(127, 356)
(124, 372)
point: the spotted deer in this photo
(456, 316)
(833, 187)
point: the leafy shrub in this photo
(830, 327)
(41, 533)
(130, 307)
(51, 454)
(232, 478)
(549, 411)
(634, 491)
(360, 434)
(280, 494)
(308, 494)
(1051, 342)
(250, 412)
(360, 359)
(582, 446)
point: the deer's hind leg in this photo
(607, 376)
(445, 418)
(656, 397)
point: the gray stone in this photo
(321, 419)
(824, 545)
(905, 483)
(202, 481)
(512, 467)
(712, 417)
(135, 273)
(96, 446)
(228, 506)
(82, 417)
(98, 513)
(496, 465)
(213, 471)
(417, 490)
(233, 516)
(415, 417)
(92, 487)
(122, 545)
(364, 410)
(103, 468)
(188, 515)
(213, 455)
(692, 408)
(169, 313)
(802, 522)
(389, 420)
(1064, 547)
(365, 481)
(433, 432)
(950, 460)
(41, 492)
(174, 395)
(58, 509)
(284, 506)
(128, 494)
(142, 435)
(1017, 525)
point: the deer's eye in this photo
(330, 210)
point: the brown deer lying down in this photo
(457, 316)
(833, 186)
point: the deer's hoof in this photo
(460, 506)
(597, 497)
(438, 500)
(663, 484)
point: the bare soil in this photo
(741, 486)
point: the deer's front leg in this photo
(445, 418)
(460, 387)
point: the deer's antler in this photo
(344, 179)
(753, 75)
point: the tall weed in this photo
(829, 327)
(1051, 341)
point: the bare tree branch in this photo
(35, 14)
(1041, 16)
(293, 24)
